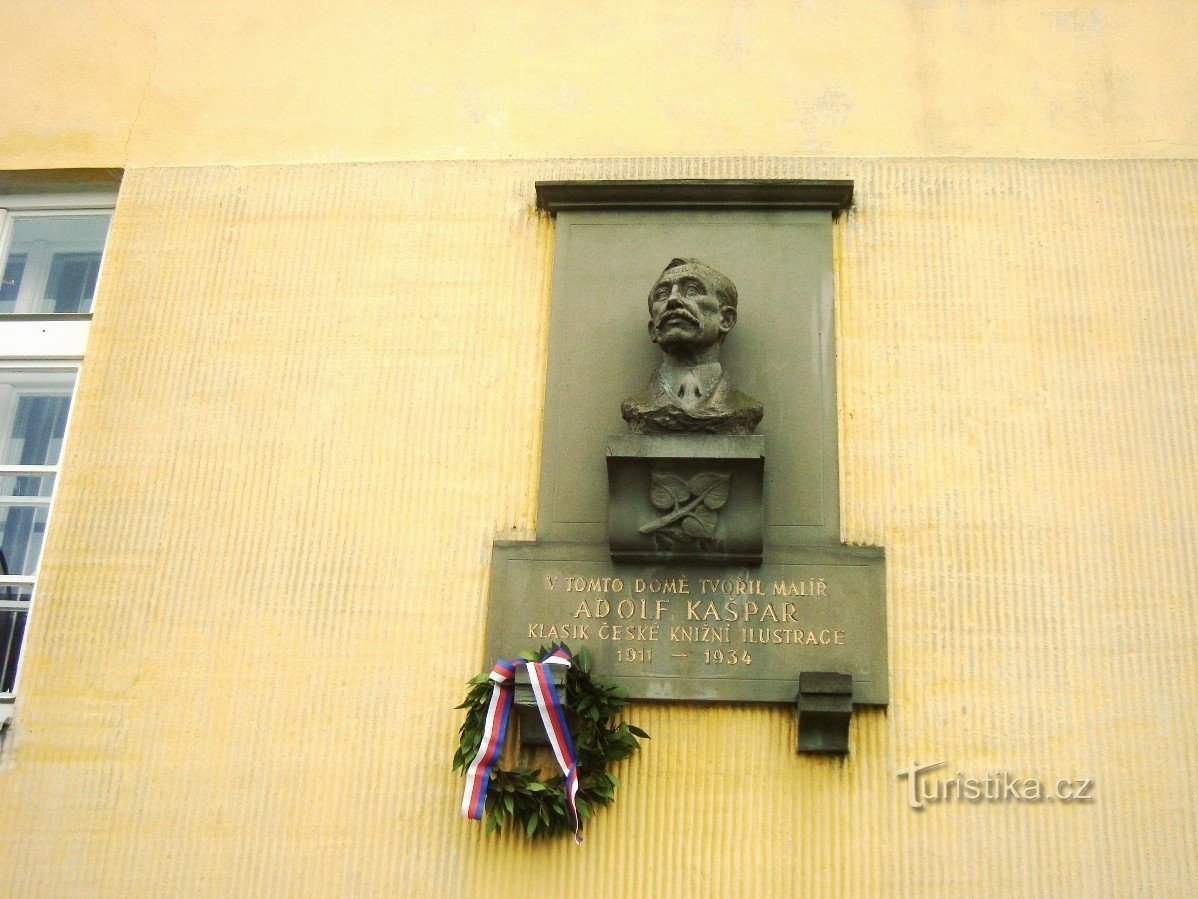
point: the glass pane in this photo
(72, 283)
(33, 416)
(25, 485)
(52, 263)
(14, 610)
(22, 531)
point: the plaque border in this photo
(834, 195)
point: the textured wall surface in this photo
(312, 400)
(169, 82)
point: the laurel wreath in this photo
(518, 795)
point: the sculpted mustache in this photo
(679, 313)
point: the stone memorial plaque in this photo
(689, 514)
(695, 632)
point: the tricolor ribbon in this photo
(503, 675)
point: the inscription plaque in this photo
(680, 631)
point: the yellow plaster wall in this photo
(312, 400)
(122, 83)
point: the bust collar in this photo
(671, 375)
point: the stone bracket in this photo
(824, 705)
(532, 728)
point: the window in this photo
(51, 247)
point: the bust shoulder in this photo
(653, 410)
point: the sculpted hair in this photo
(724, 289)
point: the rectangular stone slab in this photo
(781, 352)
(682, 632)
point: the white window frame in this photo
(42, 342)
(47, 335)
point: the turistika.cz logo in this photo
(999, 786)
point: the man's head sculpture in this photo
(692, 307)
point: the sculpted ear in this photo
(727, 319)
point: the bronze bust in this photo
(692, 307)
